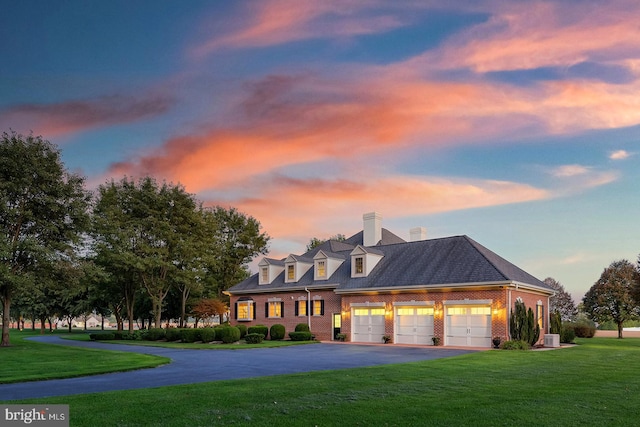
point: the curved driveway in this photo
(196, 366)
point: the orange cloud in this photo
(74, 116)
(529, 35)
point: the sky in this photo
(516, 123)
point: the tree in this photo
(239, 240)
(210, 307)
(315, 242)
(561, 301)
(611, 297)
(144, 232)
(42, 213)
(522, 324)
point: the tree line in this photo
(134, 249)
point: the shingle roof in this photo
(454, 260)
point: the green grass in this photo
(595, 383)
(28, 360)
(196, 346)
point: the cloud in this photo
(574, 179)
(570, 170)
(619, 155)
(277, 22)
(529, 35)
(78, 115)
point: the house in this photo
(375, 284)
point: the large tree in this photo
(561, 301)
(42, 213)
(611, 298)
(144, 232)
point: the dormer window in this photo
(322, 269)
(269, 269)
(264, 274)
(296, 267)
(291, 272)
(359, 265)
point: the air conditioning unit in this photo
(552, 340)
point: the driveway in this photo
(196, 366)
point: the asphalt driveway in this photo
(196, 366)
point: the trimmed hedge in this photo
(102, 336)
(207, 335)
(230, 334)
(243, 330)
(277, 332)
(173, 334)
(254, 338)
(515, 345)
(300, 336)
(155, 334)
(190, 335)
(302, 327)
(258, 329)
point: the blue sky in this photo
(516, 123)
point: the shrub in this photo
(523, 326)
(155, 334)
(555, 324)
(300, 336)
(567, 335)
(230, 334)
(189, 335)
(243, 330)
(302, 327)
(258, 329)
(253, 338)
(207, 334)
(172, 334)
(277, 332)
(585, 328)
(515, 345)
(103, 336)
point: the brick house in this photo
(375, 284)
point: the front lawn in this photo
(595, 383)
(27, 360)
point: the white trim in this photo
(413, 303)
(468, 302)
(367, 304)
(274, 299)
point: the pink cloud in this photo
(77, 115)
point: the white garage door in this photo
(368, 324)
(468, 326)
(414, 325)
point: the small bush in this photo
(243, 330)
(155, 334)
(103, 336)
(172, 334)
(230, 334)
(585, 329)
(568, 335)
(515, 345)
(277, 332)
(258, 329)
(300, 336)
(207, 334)
(302, 327)
(189, 335)
(254, 338)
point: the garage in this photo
(368, 324)
(413, 325)
(468, 326)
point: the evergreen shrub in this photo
(155, 334)
(190, 335)
(277, 332)
(300, 336)
(258, 329)
(243, 330)
(254, 338)
(172, 334)
(568, 335)
(302, 327)
(207, 334)
(230, 334)
(515, 345)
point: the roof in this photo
(450, 261)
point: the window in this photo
(245, 311)
(322, 269)
(274, 309)
(291, 272)
(318, 307)
(481, 310)
(264, 271)
(540, 315)
(359, 261)
(301, 308)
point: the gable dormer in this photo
(268, 270)
(295, 267)
(325, 264)
(363, 260)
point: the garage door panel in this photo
(368, 324)
(414, 325)
(469, 326)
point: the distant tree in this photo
(611, 297)
(562, 301)
(43, 211)
(209, 307)
(315, 242)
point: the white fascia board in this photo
(420, 287)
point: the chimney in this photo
(418, 233)
(372, 228)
